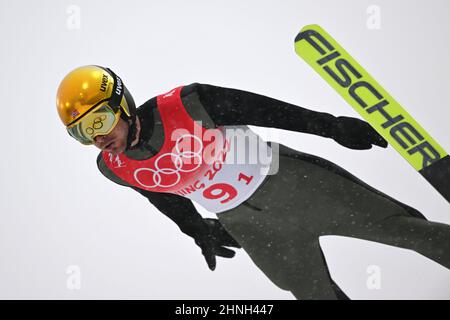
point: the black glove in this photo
(212, 240)
(356, 134)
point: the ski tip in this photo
(310, 28)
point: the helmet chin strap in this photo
(132, 130)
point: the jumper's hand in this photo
(213, 241)
(356, 134)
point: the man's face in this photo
(116, 141)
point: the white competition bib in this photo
(235, 175)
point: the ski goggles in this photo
(99, 121)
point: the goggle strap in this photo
(117, 92)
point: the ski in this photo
(375, 105)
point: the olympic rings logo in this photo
(96, 125)
(176, 159)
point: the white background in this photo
(57, 210)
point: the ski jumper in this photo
(280, 223)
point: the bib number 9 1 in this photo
(224, 190)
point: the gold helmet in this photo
(90, 100)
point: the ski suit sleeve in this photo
(236, 107)
(228, 106)
(179, 209)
